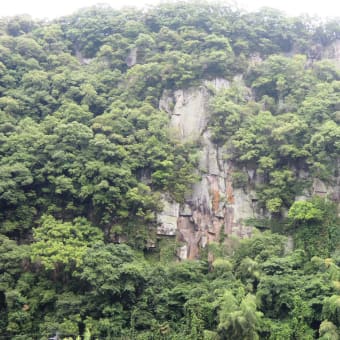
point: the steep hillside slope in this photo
(132, 140)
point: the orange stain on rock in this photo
(215, 199)
(230, 193)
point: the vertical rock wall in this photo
(215, 208)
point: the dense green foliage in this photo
(110, 291)
(289, 127)
(86, 153)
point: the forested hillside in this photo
(94, 147)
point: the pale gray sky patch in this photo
(56, 8)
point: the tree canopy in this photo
(86, 154)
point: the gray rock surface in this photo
(167, 219)
(319, 187)
(214, 207)
(218, 84)
(182, 252)
(190, 115)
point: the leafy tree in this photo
(305, 211)
(238, 321)
(57, 243)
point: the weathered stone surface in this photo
(251, 173)
(215, 193)
(167, 219)
(319, 187)
(214, 206)
(182, 252)
(150, 244)
(209, 160)
(200, 198)
(190, 115)
(170, 208)
(330, 189)
(243, 206)
(221, 152)
(168, 228)
(218, 84)
(242, 231)
(166, 103)
(190, 236)
(204, 241)
(185, 210)
(302, 174)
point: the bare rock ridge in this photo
(214, 208)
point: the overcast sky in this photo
(55, 8)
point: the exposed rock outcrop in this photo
(214, 208)
(217, 83)
(188, 110)
(167, 219)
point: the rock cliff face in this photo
(214, 208)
